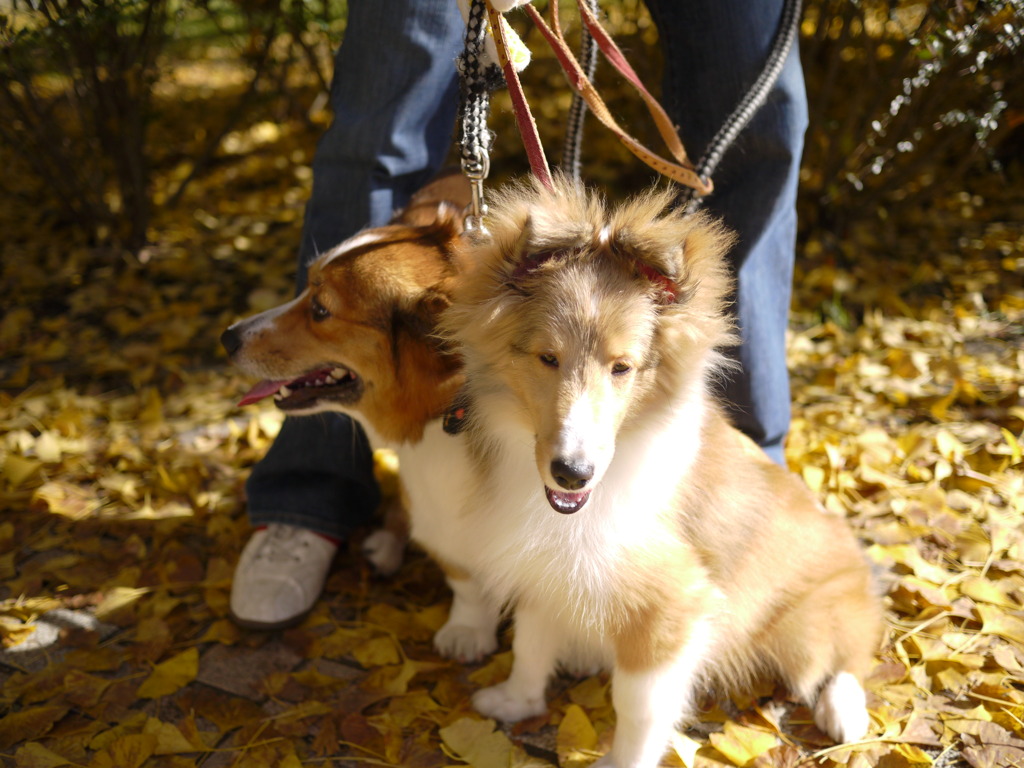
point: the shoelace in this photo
(282, 543)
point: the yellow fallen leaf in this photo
(127, 752)
(1001, 623)
(986, 591)
(477, 743)
(19, 470)
(909, 556)
(1016, 452)
(172, 675)
(394, 679)
(741, 744)
(590, 694)
(914, 755)
(404, 710)
(685, 749)
(303, 710)
(152, 411)
(169, 739)
(48, 448)
(223, 631)
(433, 617)
(83, 689)
(66, 499)
(815, 478)
(14, 631)
(35, 755)
(494, 671)
(950, 448)
(1012, 719)
(29, 724)
(118, 599)
(575, 733)
(940, 408)
(377, 652)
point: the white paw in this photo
(384, 550)
(498, 702)
(841, 709)
(465, 643)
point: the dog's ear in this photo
(658, 261)
(443, 216)
(539, 244)
(418, 315)
(449, 187)
(675, 251)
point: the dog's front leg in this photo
(535, 651)
(650, 700)
(471, 630)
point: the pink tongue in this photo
(264, 389)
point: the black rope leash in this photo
(751, 102)
(476, 81)
(572, 145)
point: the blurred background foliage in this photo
(169, 141)
(107, 110)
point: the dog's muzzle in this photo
(572, 475)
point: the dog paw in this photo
(841, 709)
(498, 702)
(384, 550)
(465, 643)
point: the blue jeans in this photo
(394, 98)
(714, 50)
(395, 95)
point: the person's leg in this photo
(394, 98)
(714, 50)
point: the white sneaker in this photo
(279, 576)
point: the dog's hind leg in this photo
(535, 650)
(471, 630)
(824, 647)
(841, 709)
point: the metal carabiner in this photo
(476, 170)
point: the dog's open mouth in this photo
(565, 501)
(336, 383)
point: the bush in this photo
(77, 84)
(76, 80)
(908, 100)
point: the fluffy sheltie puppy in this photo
(609, 501)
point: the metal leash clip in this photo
(476, 170)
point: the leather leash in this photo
(681, 171)
(524, 118)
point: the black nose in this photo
(232, 340)
(571, 475)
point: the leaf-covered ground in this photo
(122, 461)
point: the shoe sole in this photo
(269, 626)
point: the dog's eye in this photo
(620, 368)
(319, 311)
(549, 360)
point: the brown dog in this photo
(361, 339)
